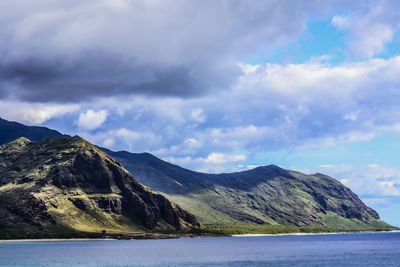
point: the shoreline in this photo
(56, 239)
(321, 233)
(188, 236)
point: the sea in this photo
(361, 249)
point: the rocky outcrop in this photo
(53, 179)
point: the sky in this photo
(216, 85)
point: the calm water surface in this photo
(382, 249)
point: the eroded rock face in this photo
(81, 203)
(79, 173)
(24, 206)
(94, 172)
(110, 204)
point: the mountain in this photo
(264, 195)
(10, 130)
(68, 186)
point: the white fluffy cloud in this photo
(90, 119)
(34, 114)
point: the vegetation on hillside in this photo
(68, 186)
(265, 197)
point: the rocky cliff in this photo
(69, 185)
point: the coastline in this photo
(144, 236)
(321, 233)
(186, 236)
(55, 240)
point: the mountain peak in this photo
(15, 146)
(20, 141)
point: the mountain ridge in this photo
(266, 195)
(248, 196)
(10, 130)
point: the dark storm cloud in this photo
(52, 51)
(35, 80)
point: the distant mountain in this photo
(68, 186)
(264, 195)
(10, 130)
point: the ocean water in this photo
(378, 249)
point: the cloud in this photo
(187, 56)
(219, 158)
(352, 116)
(192, 143)
(90, 119)
(349, 137)
(34, 114)
(108, 142)
(214, 163)
(340, 22)
(394, 127)
(372, 40)
(373, 25)
(133, 137)
(197, 115)
(77, 51)
(74, 50)
(135, 141)
(308, 105)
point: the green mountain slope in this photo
(265, 195)
(67, 186)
